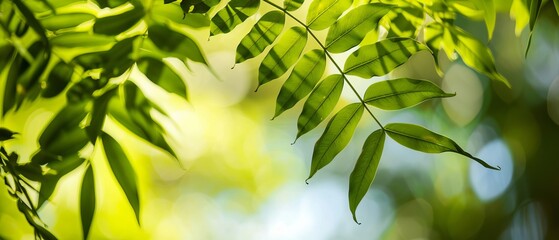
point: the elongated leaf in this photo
(292, 5)
(350, 30)
(159, 73)
(32, 21)
(260, 36)
(283, 55)
(110, 3)
(336, 136)
(176, 44)
(123, 171)
(63, 135)
(365, 169)
(402, 93)
(48, 184)
(116, 24)
(97, 115)
(236, 12)
(198, 6)
(421, 139)
(59, 77)
(535, 6)
(10, 89)
(382, 57)
(320, 103)
(58, 168)
(490, 15)
(303, 78)
(323, 13)
(80, 39)
(476, 55)
(68, 20)
(87, 200)
(556, 3)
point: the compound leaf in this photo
(260, 36)
(323, 13)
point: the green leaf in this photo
(123, 171)
(490, 16)
(159, 73)
(260, 36)
(337, 135)
(30, 170)
(59, 77)
(18, 64)
(174, 13)
(32, 21)
(6, 134)
(283, 55)
(301, 81)
(382, 57)
(350, 30)
(421, 139)
(535, 6)
(87, 201)
(365, 169)
(176, 44)
(80, 39)
(198, 6)
(68, 20)
(117, 24)
(323, 13)
(556, 3)
(97, 115)
(320, 103)
(110, 3)
(402, 93)
(292, 5)
(476, 55)
(48, 184)
(234, 13)
(63, 135)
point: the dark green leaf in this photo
(350, 30)
(556, 3)
(58, 79)
(283, 55)
(535, 6)
(197, 6)
(123, 171)
(176, 44)
(421, 139)
(306, 73)
(68, 20)
(31, 171)
(97, 115)
(234, 13)
(174, 13)
(320, 103)
(48, 184)
(6, 134)
(323, 13)
(260, 36)
(402, 93)
(118, 59)
(110, 3)
(382, 57)
(292, 5)
(18, 64)
(159, 73)
(116, 24)
(80, 39)
(87, 200)
(365, 169)
(337, 135)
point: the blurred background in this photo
(239, 176)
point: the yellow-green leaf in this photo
(260, 36)
(421, 139)
(365, 169)
(336, 136)
(87, 201)
(234, 13)
(301, 81)
(292, 5)
(174, 43)
(402, 93)
(323, 13)
(116, 24)
(80, 39)
(68, 20)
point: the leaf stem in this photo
(329, 57)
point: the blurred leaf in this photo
(32, 21)
(320, 103)
(48, 184)
(87, 201)
(292, 5)
(117, 24)
(535, 6)
(30, 171)
(6, 134)
(336, 136)
(490, 16)
(402, 93)
(365, 169)
(323, 13)
(282, 55)
(123, 171)
(404, 22)
(556, 3)
(350, 30)
(382, 57)
(110, 3)
(174, 13)
(67, 20)
(175, 43)
(18, 64)
(58, 79)
(159, 73)
(197, 6)
(63, 134)
(80, 39)
(234, 13)
(301, 81)
(260, 36)
(58, 169)
(421, 139)
(97, 115)
(118, 59)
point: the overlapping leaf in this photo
(336, 136)
(282, 55)
(87, 200)
(234, 13)
(260, 36)
(175, 44)
(301, 81)
(323, 13)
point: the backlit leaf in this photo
(80, 39)
(421, 139)
(402, 93)
(320, 103)
(175, 44)
(365, 169)
(87, 201)
(350, 30)
(283, 55)
(292, 5)
(123, 171)
(490, 16)
(59, 77)
(97, 115)
(260, 36)
(234, 13)
(159, 73)
(63, 135)
(382, 57)
(116, 24)
(336, 136)
(306, 73)
(323, 13)
(67, 20)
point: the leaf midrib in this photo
(373, 60)
(419, 139)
